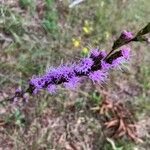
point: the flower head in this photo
(86, 29)
(117, 62)
(125, 52)
(123, 58)
(95, 52)
(127, 35)
(84, 65)
(98, 76)
(38, 82)
(76, 42)
(94, 66)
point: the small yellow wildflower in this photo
(76, 42)
(85, 50)
(86, 29)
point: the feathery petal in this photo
(98, 76)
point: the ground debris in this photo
(118, 120)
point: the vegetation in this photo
(35, 34)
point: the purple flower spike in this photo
(95, 67)
(98, 76)
(84, 65)
(127, 35)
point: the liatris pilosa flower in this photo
(94, 66)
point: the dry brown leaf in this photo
(122, 133)
(121, 126)
(120, 119)
(111, 123)
(131, 134)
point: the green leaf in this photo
(145, 30)
(118, 43)
(139, 39)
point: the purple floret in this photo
(103, 53)
(127, 35)
(117, 62)
(125, 52)
(84, 65)
(38, 82)
(62, 71)
(123, 58)
(72, 83)
(54, 73)
(51, 88)
(105, 65)
(98, 76)
(94, 53)
(68, 72)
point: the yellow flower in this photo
(76, 42)
(85, 50)
(86, 29)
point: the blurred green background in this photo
(36, 34)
